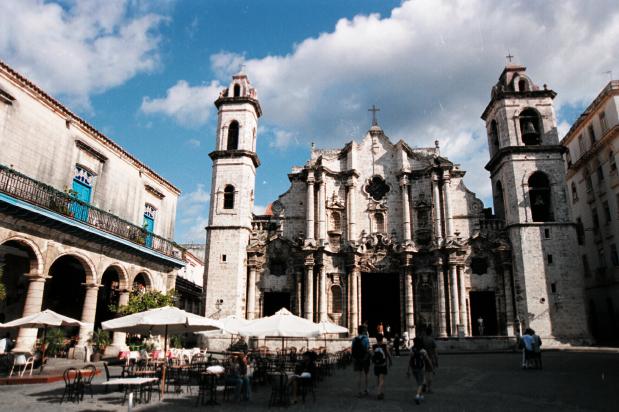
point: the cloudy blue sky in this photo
(146, 73)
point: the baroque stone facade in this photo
(378, 231)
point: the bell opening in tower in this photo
(380, 301)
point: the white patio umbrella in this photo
(282, 324)
(42, 320)
(162, 321)
(327, 328)
(231, 325)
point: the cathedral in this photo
(379, 231)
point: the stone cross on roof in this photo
(374, 109)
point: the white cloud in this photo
(259, 209)
(188, 105)
(225, 64)
(192, 215)
(430, 66)
(195, 143)
(80, 47)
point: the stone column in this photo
(119, 338)
(464, 315)
(447, 199)
(406, 214)
(438, 230)
(322, 211)
(350, 210)
(510, 314)
(309, 289)
(322, 301)
(410, 302)
(453, 302)
(309, 229)
(88, 312)
(251, 293)
(26, 337)
(355, 291)
(442, 312)
(299, 292)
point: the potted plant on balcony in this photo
(100, 339)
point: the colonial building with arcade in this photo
(82, 221)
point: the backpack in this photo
(378, 358)
(358, 349)
(416, 360)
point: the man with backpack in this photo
(361, 359)
(417, 364)
(380, 356)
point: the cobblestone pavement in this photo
(570, 381)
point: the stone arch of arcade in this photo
(114, 282)
(20, 260)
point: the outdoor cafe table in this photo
(129, 383)
(211, 376)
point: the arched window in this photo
(229, 197)
(530, 127)
(379, 220)
(233, 136)
(494, 131)
(336, 221)
(237, 90)
(336, 299)
(522, 85)
(539, 196)
(499, 205)
(574, 193)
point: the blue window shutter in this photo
(82, 192)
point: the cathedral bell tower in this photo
(232, 199)
(528, 185)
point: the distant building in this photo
(82, 221)
(189, 282)
(593, 187)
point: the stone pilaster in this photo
(448, 209)
(464, 315)
(438, 229)
(406, 222)
(88, 312)
(251, 292)
(322, 211)
(309, 289)
(351, 210)
(354, 298)
(309, 228)
(442, 310)
(34, 300)
(322, 301)
(410, 302)
(454, 299)
(299, 293)
(510, 304)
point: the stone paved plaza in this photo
(570, 381)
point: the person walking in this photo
(536, 346)
(429, 344)
(396, 344)
(361, 359)
(417, 365)
(381, 357)
(380, 329)
(526, 341)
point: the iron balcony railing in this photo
(32, 191)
